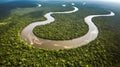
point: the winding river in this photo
(29, 37)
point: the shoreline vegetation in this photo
(62, 29)
(103, 52)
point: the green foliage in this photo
(65, 27)
(103, 52)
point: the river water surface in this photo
(29, 37)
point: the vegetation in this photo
(72, 26)
(103, 52)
